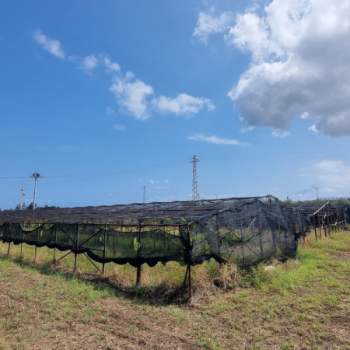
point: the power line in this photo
(104, 174)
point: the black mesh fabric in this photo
(241, 230)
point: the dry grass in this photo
(303, 304)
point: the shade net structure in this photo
(240, 230)
(327, 216)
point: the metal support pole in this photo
(139, 267)
(54, 249)
(189, 283)
(21, 253)
(320, 226)
(8, 248)
(75, 263)
(189, 261)
(104, 250)
(76, 249)
(138, 276)
(315, 227)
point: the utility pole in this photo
(35, 176)
(22, 198)
(195, 194)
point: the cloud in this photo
(209, 24)
(139, 99)
(214, 139)
(280, 133)
(51, 45)
(133, 95)
(183, 104)
(251, 34)
(332, 176)
(111, 67)
(313, 128)
(89, 63)
(300, 50)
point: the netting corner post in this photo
(139, 266)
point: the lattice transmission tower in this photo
(35, 176)
(22, 199)
(195, 193)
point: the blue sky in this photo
(103, 98)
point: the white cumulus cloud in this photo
(133, 95)
(183, 104)
(89, 63)
(53, 46)
(282, 134)
(209, 24)
(300, 53)
(214, 139)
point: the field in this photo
(301, 304)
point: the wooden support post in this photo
(35, 248)
(8, 248)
